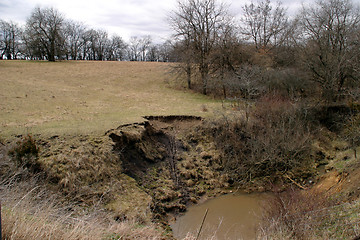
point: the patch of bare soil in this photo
(345, 184)
(329, 183)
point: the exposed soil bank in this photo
(169, 163)
(176, 161)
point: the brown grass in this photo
(32, 210)
(26, 218)
(87, 97)
(295, 214)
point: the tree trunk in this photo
(204, 81)
(51, 54)
(224, 91)
(188, 73)
(51, 58)
(204, 70)
(222, 73)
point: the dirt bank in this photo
(168, 162)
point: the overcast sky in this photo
(123, 17)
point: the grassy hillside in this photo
(87, 97)
(140, 174)
(67, 107)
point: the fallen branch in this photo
(202, 224)
(297, 184)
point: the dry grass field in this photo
(75, 97)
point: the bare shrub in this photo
(287, 82)
(254, 82)
(280, 135)
(295, 214)
(276, 140)
(248, 83)
(25, 153)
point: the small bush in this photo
(25, 153)
(293, 214)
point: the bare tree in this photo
(331, 30)
(265, 25)
(184, 47)
(197, 24)
(90, 38)
(139, 47)
(10, 40)
(134, 51)
(225, 58)
(153, 54)
(101, 44)
(116, 49)
(145, 43)
(96, 43)
(185, 56)
(44, 29)
(73, 35)
(166, 52)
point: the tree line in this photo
(263, 49)
(266, 50)
(48, 35)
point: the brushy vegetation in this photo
(25, 152)
(272, 139)
(297, 214)
(330, 209)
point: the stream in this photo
(232, 216)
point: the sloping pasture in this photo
(78, 97)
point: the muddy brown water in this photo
(232, 216)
